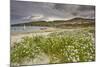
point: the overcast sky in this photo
(22, 11)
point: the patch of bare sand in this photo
(40, 59)
(17, 38)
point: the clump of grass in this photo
(62, 47)
(69, 47)
(26, 49)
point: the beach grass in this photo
(60, 47)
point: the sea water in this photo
(22, 29)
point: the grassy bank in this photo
(59, 47)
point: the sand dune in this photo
(17, 38)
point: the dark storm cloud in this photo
(21, 10)
(68, 8)
(25, 9)
(86, 8)
(76, 10)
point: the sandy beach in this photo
(17, 38)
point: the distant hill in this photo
(60, 23)
(81, 20)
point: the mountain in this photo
(78, 19)
(60, 23)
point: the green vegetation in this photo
(60, 47)
(75, 22)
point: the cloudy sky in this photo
(22, 11)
